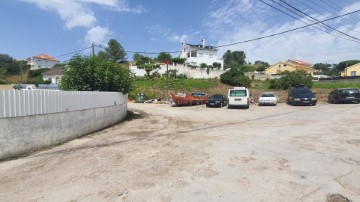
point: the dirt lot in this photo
(281, 153)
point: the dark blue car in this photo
(217, 100)
(300, 95)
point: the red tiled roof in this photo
(45, 57)
(300, 62)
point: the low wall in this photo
(197, 73)
(24, 134)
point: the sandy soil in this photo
(164, 153)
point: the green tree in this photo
(299, 77)
(235, 77)
(234, 59)
(114, 51)
(9, 65)
(203, 65)
(342, 65)
(95, 74)
(178, 60)
(141, 60)
(162, 57)
(261, 66)
(217, 65)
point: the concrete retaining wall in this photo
(22, 135)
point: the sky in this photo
(60, 28)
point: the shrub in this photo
(288, 79)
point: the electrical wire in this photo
(330, 27)
(319, 28)
(290, 30)
(72, 52)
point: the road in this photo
(164, 153)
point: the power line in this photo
(290, 30)
(324, 30)
(72, 52)
(333, 6)
(319, 21)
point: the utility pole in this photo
(93, 49)
(167, 78)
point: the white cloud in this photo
(159, 32)
(77, 13)
(236, 21)
(97, 35)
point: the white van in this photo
(239, 97)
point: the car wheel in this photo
(247, 107)
(336, 101)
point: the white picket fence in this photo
(15, 103)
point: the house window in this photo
(353, 73)
(193, 54)
(200, 55)
(211, 55)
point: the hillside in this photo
(156, 88)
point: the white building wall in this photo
(37, 63)
(197, 73)
(55, 79)
(207, 56)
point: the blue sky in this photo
(57, 27)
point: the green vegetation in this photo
(95, 74)
(157, 87)
(114, 51)
(236, 77)
(319, 85)
(298, 77)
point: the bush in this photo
(95, 74)
(288, 79)
(235, 77)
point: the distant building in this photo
(53, 74)
(41, 61)
(197, 54)
(290, 65)
(353, 70)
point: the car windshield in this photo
(349, 91)
(216, 96)
(237, 93)
(303, 92)
(267, 95)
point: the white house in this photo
(197, 54)
(42, 61)
(53, 74)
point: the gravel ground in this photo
(164, 153)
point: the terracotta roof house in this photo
(290, 65)
(353, 70)
(197, 54)
(42, 61)
(53, 74)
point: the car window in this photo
(349, 91)
(216, 96)
(267, 95)
(303, 92)
(237, 93)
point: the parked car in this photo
(267, 98)
(239, 97)
(217, 100)
(343, 95)
(300, 95)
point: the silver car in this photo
(267, 98)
